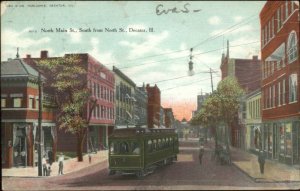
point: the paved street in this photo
(185, 174)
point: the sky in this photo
(160, 56)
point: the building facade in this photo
(100, 81)
(253, 131)
(169, 118)
(19, 115)
(125, 100)
(279, 22)
(153, 107)
(141, 106)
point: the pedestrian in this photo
(48, 169)
(50, 156)
(60, 164)
(201, 153)
(90, 158)
(261, 161)
(44, 164)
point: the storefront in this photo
(19, 148)
(281, 141)
(255, 137)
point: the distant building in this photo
(153, 106)
(281, 78)
(169, 118)
(19, 115)
(200, 100)
(125, 99)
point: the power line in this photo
(202, 42)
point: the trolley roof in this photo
(129, 132)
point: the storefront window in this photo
(281, 139)
(265, 142)
(270, 139)
(288, 138)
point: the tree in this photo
(229, 92)
(66, 76)
(221, 107)
(209, 115)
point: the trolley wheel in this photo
(140, 174)
(112, 172)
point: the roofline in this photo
(122, 75)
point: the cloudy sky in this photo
(160, 57)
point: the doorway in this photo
(19, 147)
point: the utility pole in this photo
(212, 85)
(40, 127)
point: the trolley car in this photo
(140, 150)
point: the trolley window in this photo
(149, 146)
(124, 148)
(114, 148)
(135, 147)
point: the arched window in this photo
(292, 47)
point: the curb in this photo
(26, 176)
(263, 180)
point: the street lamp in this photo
(191, 72)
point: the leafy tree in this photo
(221, 107)
(229, 92)
(66, 76)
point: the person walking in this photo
(50, 156)
(201, 153)
(261, 161)
(44, 164)
(60, 164)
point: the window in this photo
(273, 26)
(292, 7)
(293, 88)
(3, 102)
(283, 91)
(292, 47)
(17, 102)
(269, 30)
(278, 20)
(286, 9)
(262, 37)
(273, 100)
(270, 97)
(98, 91)
(37, 102)
(31, 102)
(279, 94)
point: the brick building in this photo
(279, 22)
(100, 81)
(19, 115)
(169, 117)
(153, 106)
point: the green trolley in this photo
(140, 150)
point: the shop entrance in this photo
(19, 147)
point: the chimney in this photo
(28, 56)
(44, 54)
(255, 58)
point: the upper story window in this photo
(3, 102)
(31, 103)
(293, 88)
(279, 21)
(17, 102)
(292, 47)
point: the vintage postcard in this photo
(150, 95)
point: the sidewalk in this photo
(274, 171)
(70, 165)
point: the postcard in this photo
(150, 95)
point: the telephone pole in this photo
(212, 84)
(40, 127)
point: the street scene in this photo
(150, 95)
(185, 174)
